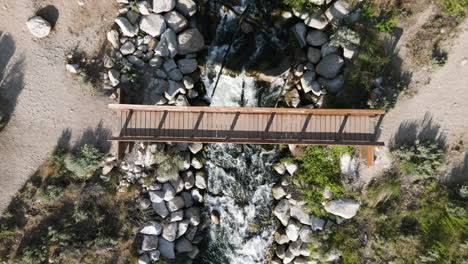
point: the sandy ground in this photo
(47, 103)
(438, 110)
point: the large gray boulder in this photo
(187, 66)
(313, 55)
(306, 234)
(193, 215)
(186, 7)
(344, 207)
(170, 39)
(338, 10)
(280, 251)
(166, 248)
(153, 24)
(183, 245)
(113, 38)
(281, 238)
(126, 27)
(316, 38)
(188, 201)
(309, 84)
(160, 209)
(278, 192)
(191, 232)
(317, 20)
(38, 26)
(176, 21)
(300, 31)
(200, 180)
(330, 66)
(149, 243)
(301, 213)
(281, 211)
(295, 247)
(317, 223)
(152, 229)
(182, 227)
(170, 232)
(190, 41)
(127, 48)
(169, 191)
(175, 204)
(189, 179)
(334, 85)
(160, 6)
(292, 230)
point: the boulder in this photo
(281, 251)
(176, 21)
(281, 211)
(169, 192)
(344, 207)
(114, 77)
(191, 232)
(39, 27)
(153, 24)
(186, 7)
(196, 163)
(288, 257)
(215, 217)
(169, 65)
(143, 7)
(192, 93)
(176, 75)
(170, 40)
(200, 179)
(126, 27)
(302, 260)
(127, 48)
(309, 84)
(154, 255)
(174, 89)
(306, 234)
(182, 227)
(135, 61)
(187, 66)
(316, 38)
(328, 49)
(300, 213)
(189, 179)
(162, 48)
(149, 243)
(279, 168)
(291, 167)
(333, 86)
(190, 41)
(196, 195)
(338, 10)
(177, 184)
(317, 20)
(144, 204)
(188, 201)
(183, 245)
(113, 38)
(152, 228)
(292, 98)
(278, 192)
(189, 84)
(300, 31)
(160, 6)
(281, 238)
(292, 230)
(133, 17)
(330, 66)
(156, 62)
(144, 259)
(295, 247)
(166, 248)
(195, 147)
(314, 55)
(176, 216)
(300, 13)
(305, 250)
(194, 253)
(193, 215)
(175, 204)
(317, 223)
(160, 209)
(170, 232)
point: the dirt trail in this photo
(439, 107)
(45, 101)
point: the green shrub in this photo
(301, 5)
(420, 160)
(49, 193)
(169, 161)
(456, 8)
(84, 162)
(383, 189)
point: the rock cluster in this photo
(176, 200)
(321, 70)
(155, 43)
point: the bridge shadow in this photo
(11, 78)
(418, 130)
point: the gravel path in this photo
(45, 100)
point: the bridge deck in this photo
(247, 125)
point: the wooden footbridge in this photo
(243, 125)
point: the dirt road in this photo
(45, 100)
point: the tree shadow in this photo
(422, 130)
(11, 78)
(97, 136)
(459, 174)
(49, 13)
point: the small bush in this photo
(301, 5)
(169, 162)
(383, 189)
(420, 160)
(84, 162)
(456, 8)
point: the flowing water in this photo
(240, 176)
